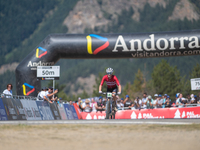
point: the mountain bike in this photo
(110, 106)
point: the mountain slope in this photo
(110, 16)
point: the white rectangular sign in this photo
(48, 71)
(195, 84)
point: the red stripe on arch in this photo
(42, 54)
(101, 48)
(30, 91)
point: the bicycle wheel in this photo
(108, 109)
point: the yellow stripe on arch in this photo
(89, 44)
(24, 89)
(37, 52)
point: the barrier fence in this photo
(28, 108)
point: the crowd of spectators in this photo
(145, 102)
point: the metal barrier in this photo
(18, 96)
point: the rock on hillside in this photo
(184, 9)
(88, 14)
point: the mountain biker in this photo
(111, 81)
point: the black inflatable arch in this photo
(142, 45)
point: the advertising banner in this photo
(78, 111)
(19, 109)
(160, 113)
(73, 112)
(10, 109)
(44, 110)
(195, 84)
(62, 111)
(68, 112)
(31, 109)
(3, 115)
(55, 111)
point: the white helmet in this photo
(109, 70)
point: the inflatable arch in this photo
(75, 46)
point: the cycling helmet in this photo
(109, 70)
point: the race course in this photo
(150, 134)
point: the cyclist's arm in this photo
(100, 87)
(101, 84)
(120, 88)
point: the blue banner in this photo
(44, 110)
(3, 115)
(73, 112)
(68, 111)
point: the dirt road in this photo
(98, 137)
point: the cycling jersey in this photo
(111, 83)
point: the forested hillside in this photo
(24, 26)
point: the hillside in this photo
(104, 16)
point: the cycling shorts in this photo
(115, 89)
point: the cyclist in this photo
(111, 81)
(112, 86)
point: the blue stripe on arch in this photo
(42, 49)
(99, 37)
(26, 84)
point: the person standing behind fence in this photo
(49, 95)
(138, 103)
(42, 93)
(93, 105)
(100, 104)
(128, 103)
(8, 91)
(144, 99)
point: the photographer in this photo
(49, 95)
(149, 102)
(138, 103)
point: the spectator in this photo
(179, 101)
(155, 96)
(93, 105)
(168, 102)
(70, 102)
(164, 99)
(87, 107)
(8, 91)
(149, 102)
(138, 103)
(155, 100)
(79, 100)
(198, 99)
(122, 102)
(100, 104)
(42, 93)
(159, 102)
(193, 101)
(188, 99)
(119, 104)
(49, 95)
(127, 102)
(144, 99)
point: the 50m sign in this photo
(48, 71)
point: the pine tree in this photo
(166, 79)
